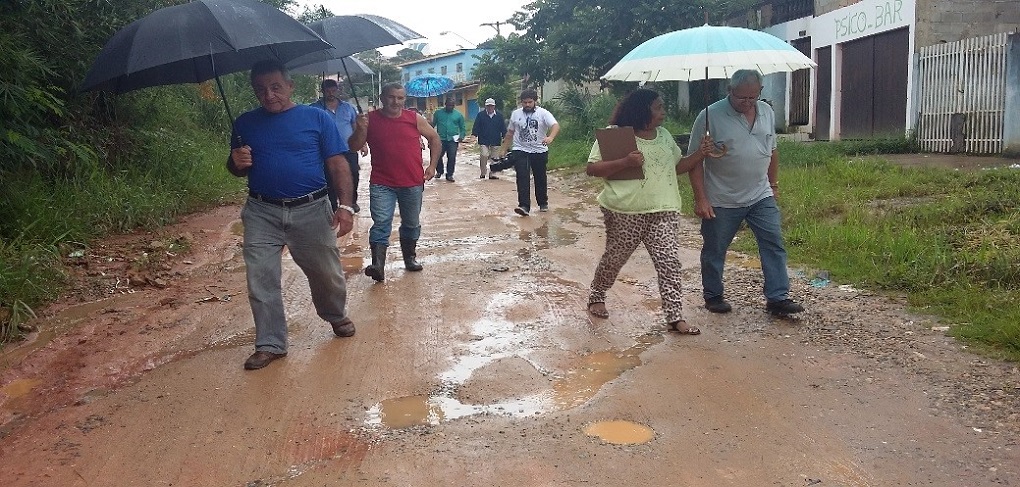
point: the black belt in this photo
(289, 202)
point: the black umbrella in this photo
(352, 34)
(198, 41)
(348, 64)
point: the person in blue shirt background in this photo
(344, 114)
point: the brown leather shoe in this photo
(261, 359)
(343, 329)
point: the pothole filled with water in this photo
(620, 432)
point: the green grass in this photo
(174, 175)
(569, 152)
(947, 240)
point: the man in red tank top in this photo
(398, 177)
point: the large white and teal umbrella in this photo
(707, 52)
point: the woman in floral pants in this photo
(645, 210)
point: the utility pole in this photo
(494, 25)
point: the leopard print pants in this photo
(658, 231)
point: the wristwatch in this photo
(345, 207)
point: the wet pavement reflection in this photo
(509, 330)
(494, 338)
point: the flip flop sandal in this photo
(598, 314)
(689, 330)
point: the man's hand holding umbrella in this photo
(240, 161)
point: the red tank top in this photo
(395, 150)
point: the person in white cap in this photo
(489, 129)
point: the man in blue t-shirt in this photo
(345, 115)
(281, 148)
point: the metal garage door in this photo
(874, 86)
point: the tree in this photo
(383, 67)
(580, 40)
(515, 58)
(406, 55)
(312, 13)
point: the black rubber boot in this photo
(407, 247)
(375, 271)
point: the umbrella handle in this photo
(351, 84)
(719, 148)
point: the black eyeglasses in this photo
(744, 98)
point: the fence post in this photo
(1011, 117)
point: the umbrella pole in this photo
(705, 90)
(223, 96)
(720, 148)
(226, 105)
(351, 84)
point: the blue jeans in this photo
(450, 150)
(526, 164)
(764, 221)
(307, 233)
(382, 200)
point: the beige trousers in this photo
(486, 151)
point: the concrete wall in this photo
(551, 89)
(1011, 118)
(826, 6)
(774, 88)
(954, 20)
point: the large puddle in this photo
(495, 338)
(550, 235)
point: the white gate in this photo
(963, 95)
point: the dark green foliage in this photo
(582, 111)
(312, 13)
(79, 165)
(504, 94)
(579, 40)
(407, 55)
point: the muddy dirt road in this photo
(486, 370)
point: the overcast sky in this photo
(462, 18)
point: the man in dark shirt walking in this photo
(489, 128)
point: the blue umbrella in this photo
(707, 52)
(428, 85)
